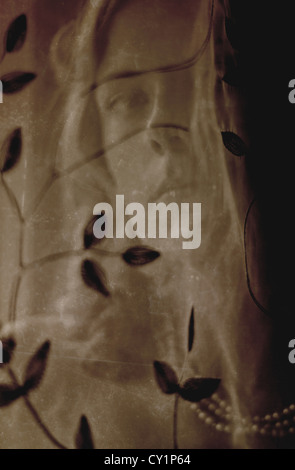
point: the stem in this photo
(12, 198)
(13, 298)
(65, 254)
(3, 57)
(175, 421)
(36, 415)
(13, 201)
(175, 412)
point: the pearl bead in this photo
(275, 424)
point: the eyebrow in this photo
(117, 76)
(135, 73)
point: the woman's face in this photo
(146, 132)
(146, 114)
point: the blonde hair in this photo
(72, 46)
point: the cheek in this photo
(135, 169)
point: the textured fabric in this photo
(135, 98)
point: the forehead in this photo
(149, 34)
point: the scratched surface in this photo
(139, 98)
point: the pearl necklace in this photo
(216, 413)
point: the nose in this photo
(168, 140)
(172, 146)
(169, 118)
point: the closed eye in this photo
(114, 102)
(131, 101)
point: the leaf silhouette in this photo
(16, 34)
(234, 144)
(89, 238)
(11, 150)
(84, 437)
(10, 393)
(140, 255)
(166, 377)
(16, 81)
(191, 330)
(233, 33)
(8, 345)
(196, 389)
(94, 277)
(36, 367)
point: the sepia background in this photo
(161, 101)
